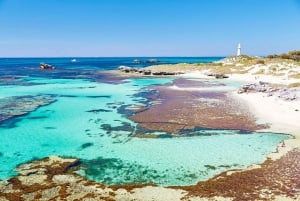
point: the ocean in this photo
(77, 111)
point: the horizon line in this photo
(24, 57)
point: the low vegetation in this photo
(292, 55)
(276, 65)
(296, 76)
(260, 61)
(296, 84)
(259, 72)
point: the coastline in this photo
(279, 114)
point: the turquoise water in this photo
(78, 125)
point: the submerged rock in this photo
(20, 105)
(44, 66)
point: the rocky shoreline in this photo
(284, 93)
(145, 71)
(152, 72)
(53, 178)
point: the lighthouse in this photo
(238, 53)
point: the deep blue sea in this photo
(95, 63)
(80, 114)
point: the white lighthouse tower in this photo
(238, 50)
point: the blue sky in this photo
(36, 28)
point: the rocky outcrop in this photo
(163, 73)
(50, 179)
(283, 93)
(218, 75)
(144, 71)
(221, 76)
(256, 87)
(44, 66)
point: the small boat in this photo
(73, 60)
(136, 61)
(152, 61)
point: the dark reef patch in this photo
(17, 106)
(17, 154)
(37, 117)
(104, 169)
(50, 127)
(98, 96)
(164, 136)
(86, 87)
(142, 132)
(114, 105)
(210, 167)
(86, 145)
(68, 96)
(9, 123)
(244, 132)
(99, 110)
(124, 127)
(123, 109)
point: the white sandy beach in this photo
(282, 116)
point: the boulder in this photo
(147, 72)
(158, 73)
(221, 76)
(44, 66)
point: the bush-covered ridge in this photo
(293, 55)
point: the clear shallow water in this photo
(77, 125)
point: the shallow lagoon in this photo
(76, 125)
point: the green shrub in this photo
(294, 85)
(294, 55)
(272, 56)
(295, 52)
(286, 56)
